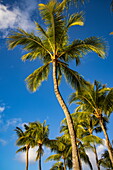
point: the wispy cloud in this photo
(3, 142)
(2, 108)
(12, 17)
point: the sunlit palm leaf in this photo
(35, 79)
(76, 19)
(72, 77)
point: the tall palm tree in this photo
(53, 48)
(26, 141)
(96, 100)
(39, 131)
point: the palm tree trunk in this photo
(64, 164)
(110, 149)
(27, 159)
(40, 163)
(75, 156)
(96, 156)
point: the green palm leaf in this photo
(76, 19)
(72, 77)
(35, 79)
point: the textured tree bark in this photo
(27, 155)
(75, 156)
(110, 149)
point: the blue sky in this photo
(17, 104)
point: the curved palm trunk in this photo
(110, 149)
(96, 156)
(75, 156)
(27, 157)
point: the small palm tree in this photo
(90, 125)
(26, 141)
(105, 161)
(54, 49)
(96, 100)
(81, 133)
(57, 166)
(39, 131)
(62, 147)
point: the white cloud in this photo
(2, 108)
(3, 142)
(32, 154)
(6, 124)
(13, 122)
(100, 150)
(22, 155)
(12, 17)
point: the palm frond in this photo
(29, 41)
(92, 139)
(55, 157)
(83, 47)
(72, 77)
(35, 79)
(51, 13)
(22, 149)
(76, 19)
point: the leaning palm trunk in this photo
(27, 159)
(75, 156)
(110, 149)
(96, 156)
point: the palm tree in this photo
(62, 147)
(105, 161)
(25, 140)
(57, 166)
(96, 100)
(39, 131)
(81, 134)
(53, 48)
(91, 124)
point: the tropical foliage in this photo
(96, 100)
(53, 48)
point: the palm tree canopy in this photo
(105, 161)
(95, 99)
(52, 44)
(40, 132)
(24, 139)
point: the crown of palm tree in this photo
(52, 44)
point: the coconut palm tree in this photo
(81, 133)
(57, 166)
(39, 131)
(25, 140)
(96, 100)
(53, 48)
(91, 124)
(105, 161)
(62, 147)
